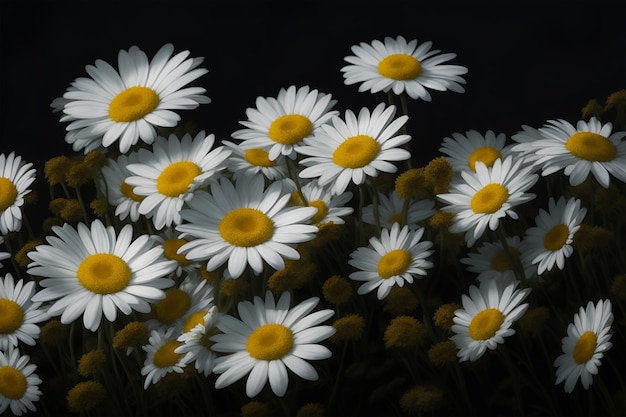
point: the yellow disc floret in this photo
(173, 306)
(393, 263)
(556, 237)
(8, 193)
(585, 347)
(246, 227)
(484, 154)
(322, 210)
(258, 157)
(176, 178)
(13, 384)
(270, 342)
(132, 104)
(170, 250)
(103, 273)
(356, 152)
(489, 199)
(290, 129)
(165, 356)
(400, 67)
(128, 192)
(11, 316)
(485, 324)
(501, 260)
(591, 147)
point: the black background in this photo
(528, 61)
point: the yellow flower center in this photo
(11, 316)
(246, 227)
(177, 177)
(133, 104)
(193, 320)
(103, 273)
(484, 154)
(322, 210)
(8, 193)
(400, 67)
(129, 192)
(394, 263)
(485, 324)
(290, 129)
(556, 237)
(165, 356)
(13, 384)
(500, 262)
(174, 305)
(170, 250)
(396, 218)
(585, 347)
(270, 342)
(489, 199)
(258, 157)
(356, 152)
(591, 147)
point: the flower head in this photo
(19, 388)
(15, 178)
(463, 151)
(162, 357)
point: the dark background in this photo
(528, 61)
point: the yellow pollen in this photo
(193, 320)
(246, 227)
(489, 199)
(133, 104)
(177, 177)
(8, 193)
(258, 157)
(11, 316)
(129, 192)
(585, 347)
(356, 152)
(485, 324)
(270, 342)
(165, 356)
(591, 147)
(484, 154)
(400, 67)
(322, 210)
(13, 384)
(290, 129)
(103, 273)
(170, 250)
(500, 262)
(393, 263)
(556, 237)
(174, 305)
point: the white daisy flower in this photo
(3, 255)
(18, 314)
(269, 339)
(463, 151)
(171, 242)
(352, 150)
(196, 344)
(491, 261)
(91, 271)
(126, 106)
(330, 208)
(255, 161)
(396, 257)
(245, 224)
(118, 192)
(15, 178)
(161, 358)
(402, 67)
(525, 144)
(19, 388)
(390, 207)
(588, 337)
(279, 125)
(168, 175)
(486, 317)
(549, 242)
(482, 198)
(588, 147)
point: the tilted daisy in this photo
(396, 257)
(15, 178)
(91, 271)
(161, 358)
(168, 175)
(588, 337)
(19, 384)
(330, 208)
(118, 192)
(402, 67)
(171, 242)
(463, 151)
(480, 199)
(270, 338)
(245, 224)
(390, 210)
(549, 242)
(587, 147)
(126, 106)
(486, 317)
(254, 161)
(18, 314)
(353, 149)
(196, 342)
(491, 261)
(279, 125)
